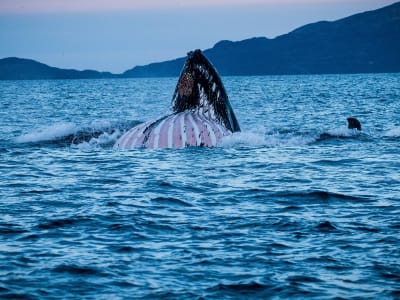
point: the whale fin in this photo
(353, 123)
(200, 90)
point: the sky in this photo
(116, 35)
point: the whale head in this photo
(202, 114)
(200, 89)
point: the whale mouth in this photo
(200, 89)
(202, 114)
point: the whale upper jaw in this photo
(200, 89)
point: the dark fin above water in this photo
(200, 89)
(353, 123)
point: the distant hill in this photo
(13, 68)
(368, 42)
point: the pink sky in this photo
(46, 6)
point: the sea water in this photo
(294, 206)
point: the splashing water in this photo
(394, 132)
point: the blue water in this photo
(294, 206)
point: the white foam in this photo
(242, 139)
(104, 139)
(48, 133)
(394, 132)
(107, 138)
(288, 140)
(343, 132)
(252, 139)
(100, 124)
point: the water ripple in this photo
(277, 212)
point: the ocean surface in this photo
(294, 206)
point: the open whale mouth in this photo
(200, 89)
(202, 114)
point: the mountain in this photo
(367, 42)
(13, 68)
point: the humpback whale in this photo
(201, 112)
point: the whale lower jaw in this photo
(184, 129)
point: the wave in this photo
(80, 270)
(243, 139)
(326, 226)
(240, 288)
(290, 139)
(286, 138)
(169, 202)
(59, 223)
(105, 133)
(262, 138)
(48, 133)
(320, 195)
(339, 133)
(104, 139)
(66, 134)
(393, 133)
